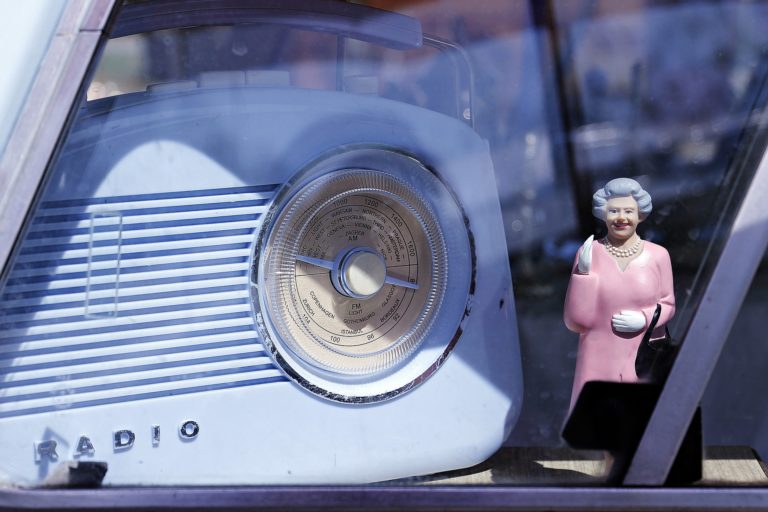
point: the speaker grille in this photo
(133, 297)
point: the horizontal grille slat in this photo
(122, 352)
(133, 305)
(167, 384)
(128, 322)
(110, 266)
(183, 197)
(146, 212)
(113, 380)
(130, 227)
(146, 275)
(150, 234)
(126, 270)
(271, 378)
(124, 294)
(139, 310)
(82, 368)
(142, 284)
(136, 251)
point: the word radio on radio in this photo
(122, 439)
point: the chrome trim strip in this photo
(706, 337)
(45, 112)
(390, 497)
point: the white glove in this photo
(628, 321)
(585, 256)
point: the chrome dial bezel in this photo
(444, 327)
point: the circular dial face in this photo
(354, 269)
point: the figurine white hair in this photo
(621, 187)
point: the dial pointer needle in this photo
(326, 264)
(315, 261)
(399, 282)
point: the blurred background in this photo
(568, 94)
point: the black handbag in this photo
(655, 356)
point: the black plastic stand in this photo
(612, 416)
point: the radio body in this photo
(156, 315)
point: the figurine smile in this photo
(621, 218)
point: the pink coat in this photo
(593, 299)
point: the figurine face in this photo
(621, 217)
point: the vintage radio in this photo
(234, 280)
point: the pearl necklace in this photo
(621, 253)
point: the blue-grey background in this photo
(569, 94)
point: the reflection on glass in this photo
(567, 95)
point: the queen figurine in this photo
(615, 286)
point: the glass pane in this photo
(332, 244)
(23, 44)
(734, 416)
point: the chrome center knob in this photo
(359, 272)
